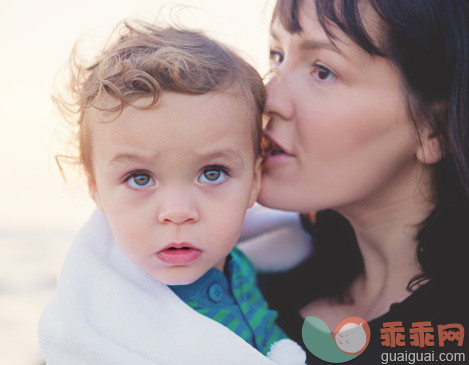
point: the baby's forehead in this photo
(109, 109)
(187, 111)
(180, 130)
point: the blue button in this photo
(215, 292)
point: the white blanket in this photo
(109, 311)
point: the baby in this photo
(169, 127)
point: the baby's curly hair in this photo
(145, 61)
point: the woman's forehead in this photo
(301, 18)
(287, 12)
(312, 34)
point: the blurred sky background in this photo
(39, 213)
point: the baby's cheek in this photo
(128, 232)
(226, 228)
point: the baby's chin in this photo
(178, 276)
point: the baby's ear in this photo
(93, 190)
(256, 183)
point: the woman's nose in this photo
(178, 208)
(279, 103)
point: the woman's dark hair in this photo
(428, 40)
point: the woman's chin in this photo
(286, 195)
(275, 196)
(266, 199)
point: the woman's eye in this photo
(212, 176)
(276, 58)
(323, 73)
(139, 181)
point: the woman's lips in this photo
(276, 159)
(178, 253)
(273, 152)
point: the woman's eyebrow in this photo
(311, 44)
(274, 35)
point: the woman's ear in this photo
(256, 183)
(93, 190)
(429, 151)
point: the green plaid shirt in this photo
(234, 300)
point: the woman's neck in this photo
(386, 226)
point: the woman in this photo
(368, 126)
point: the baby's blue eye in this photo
(212, 176)
(139, 181)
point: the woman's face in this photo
(338, 121)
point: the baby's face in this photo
(175, 181)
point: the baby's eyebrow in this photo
(224, 154)
(227, 154)
(128, 157)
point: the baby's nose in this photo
(178, 208)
